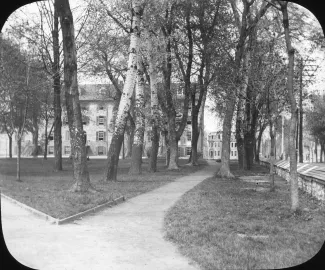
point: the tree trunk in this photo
(10, 146)
(293, 122)
(77, 134)
(57, 93)
(272, 154)
(195, 137)
(35, 138)
(154, 149)
(124, 106)
(167, 148)
(18, 158)
(137, 147)
(224, 170)
(321, 153)
(316, 154)
(153, 74)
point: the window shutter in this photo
(97, 120)
(96, 135)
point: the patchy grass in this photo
(48, 191)
(225, 224)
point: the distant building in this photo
(97, 101)
(215, 146)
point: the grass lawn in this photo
(48, 191)
(227, 224)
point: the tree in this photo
(293, 106)
(137, 147)
(77, 135)
(123, 109)
(245, 26)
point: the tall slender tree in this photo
(77, 134)
(123, 110)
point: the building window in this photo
(100, 120)
(232, 153)
(211, 154)
(235, 144)
(51, 150)
(212, 137)
(218, 144)
(100, 136)
(188, 150)
(218, 153)
(215, 144)
(219, 136)
(67, 135)
(67, 149)
(101, 150)
(189, 135)
(235, 153)
(51, 137)
(100, 107)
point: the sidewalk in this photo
(127, 236)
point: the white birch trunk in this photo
(125, 103)
(137, 147)
(153, 74)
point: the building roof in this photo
(98, 92)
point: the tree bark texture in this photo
(77, 134)
(35, 137)
(153, 75)
(18, 158)
(57, 93)
(124, 106)
(137, 147)
(10, 146)
(293, 122)
(272, 154)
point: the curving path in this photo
(127, 236)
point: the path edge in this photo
(66, 220)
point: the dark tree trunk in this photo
(316, 154)
(195, 137)
(113, 156)
(173, 146)
(10, 146)
(239, 135)
(77, 134)
(154, 149)
(35, 137)
(46, 138)
(18, 158)
(57, 93)
(272, 155)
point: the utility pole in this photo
(301, 149)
